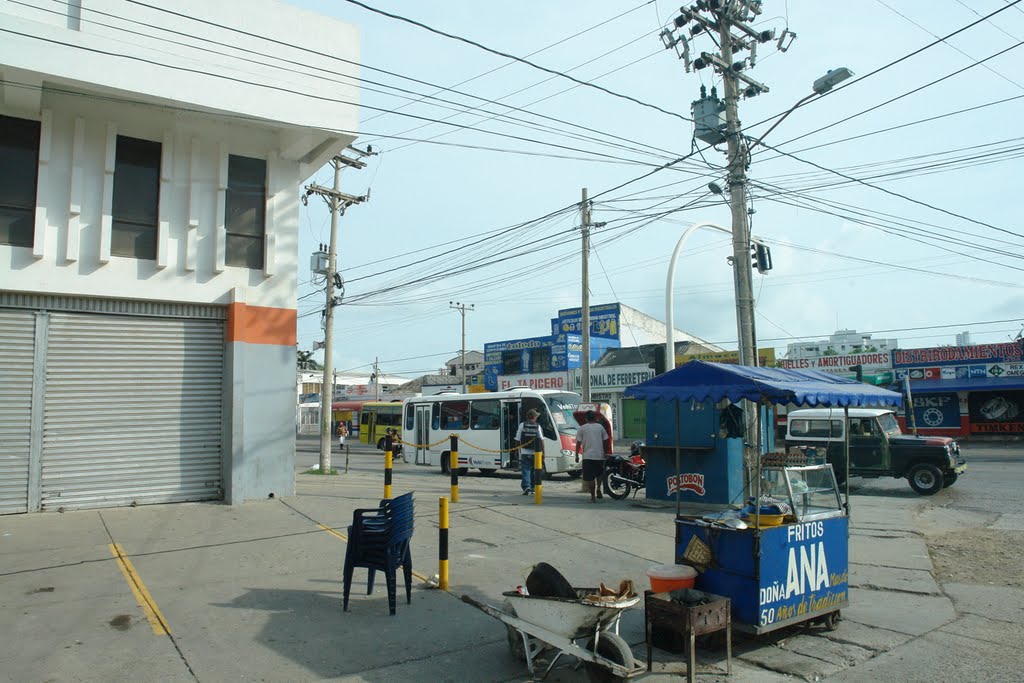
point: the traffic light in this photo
(658, 362)
(761, 257)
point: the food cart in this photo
(787, 561)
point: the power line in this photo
(506, 55)
(429, 121)
(884, 67)
(893, 193)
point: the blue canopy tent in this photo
(702, 381)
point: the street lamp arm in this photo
(757, 141)
(670, 332)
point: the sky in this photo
(891, 205)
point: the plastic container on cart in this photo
(670, 577)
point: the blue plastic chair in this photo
(379, 540)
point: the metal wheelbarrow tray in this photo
(535, 623)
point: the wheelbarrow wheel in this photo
(612, 647)
(515, 640)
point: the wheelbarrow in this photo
(538, 623)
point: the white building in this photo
(842, 343)
(149, 188)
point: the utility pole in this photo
(585, 299)
(462, 308)
(338, 201)
(737, 158)
(376, 380)
(722, 18)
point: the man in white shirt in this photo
(590, 439)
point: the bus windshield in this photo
(562, 407)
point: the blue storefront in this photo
(964, 390)
(560, 351)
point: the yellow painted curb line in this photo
(145, 600)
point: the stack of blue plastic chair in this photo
(379, 540)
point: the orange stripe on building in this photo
(260, 325)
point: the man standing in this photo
(590, 438)
(529, 437)
(342, 433)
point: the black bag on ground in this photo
(547, 582)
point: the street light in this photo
(670, 333)
(821, 86)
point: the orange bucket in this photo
(670, 577)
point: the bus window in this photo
(485, 414)
(409, 415)
(454, 414)
(435, 416)
(562, 407)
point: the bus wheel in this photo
(446, 462)
(463, 471)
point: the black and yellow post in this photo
(387, 466)
(538, 475)
(454, 467)
(442, 545)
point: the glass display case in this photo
(810, 490)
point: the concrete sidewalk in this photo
(209, 592)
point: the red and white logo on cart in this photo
(691, 481)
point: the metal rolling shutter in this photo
(17, 340)
(133, 411)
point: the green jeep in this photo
(877, 447)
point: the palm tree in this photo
(306, 362)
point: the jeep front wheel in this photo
(925, 478)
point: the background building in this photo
(843, 342)
(148, 237)
(611, 326)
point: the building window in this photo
(511, 362)
(245, 211)
(19, 165)
(540, 360)
(136, 198)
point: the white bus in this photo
(487, 422)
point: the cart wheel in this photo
(612, 647)
(831, 620)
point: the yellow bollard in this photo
(442, 541)
(538, 477)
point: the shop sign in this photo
(1014, 369)
(618, 377)
(1003, 352)
(871, 363)
(937, 411)
(996, 412)
(796, 578)
(604, 321)
(691, 481)
(544, 380)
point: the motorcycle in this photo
(625, 474)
